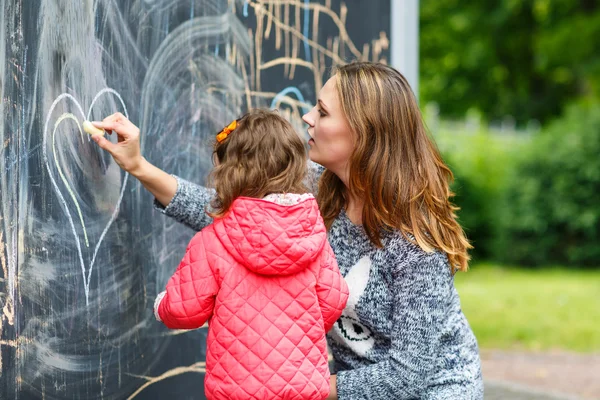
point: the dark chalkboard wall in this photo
(82, 252)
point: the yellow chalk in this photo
(91, 129)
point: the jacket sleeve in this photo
(420, 291)
(190, 295)
(188, 206)
(332, 290)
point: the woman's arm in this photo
(188, 205)
(175, 197)
(420, 295)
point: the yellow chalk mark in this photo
(8, 308)
(246, 85)
(10, 343)
(60, 172)
(317, 8)
(269, 22)
(275, 15)
(286, 60)
(199, 367)
(380, 44)
(8, 312)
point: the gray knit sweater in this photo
(403, 334)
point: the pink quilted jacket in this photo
(266, 279)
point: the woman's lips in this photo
(311, 141)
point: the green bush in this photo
(551, 208)
(480, 162)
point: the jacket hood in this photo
(270, 238)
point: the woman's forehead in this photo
(328, 91)
(330, 85)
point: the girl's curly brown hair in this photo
(263, 155)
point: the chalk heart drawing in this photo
(86, 272)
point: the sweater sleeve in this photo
(188, 206)
(190, 295)
(313, 174)
(332, 290)
(419, 294)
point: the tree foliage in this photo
(526, 59)
(551, 209)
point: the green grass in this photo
(511, 308)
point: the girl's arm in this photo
(332, 290)
(421, 287)
(175, 197)
(189, 300)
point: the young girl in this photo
(385, 198)
(262, 274)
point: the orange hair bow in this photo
(226, 131)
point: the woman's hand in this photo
(126, 151)
(332, 388)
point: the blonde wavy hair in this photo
(262, 155)
(395, 166)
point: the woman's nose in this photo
(308, 119)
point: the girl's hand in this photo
(126, 152)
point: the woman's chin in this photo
(313, 155)
(316, 157)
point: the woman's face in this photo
(331, 138)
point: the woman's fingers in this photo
(126, 152)
(109, 126)
(104, 143)
(116, 117)
(107, 123)
(120, 124)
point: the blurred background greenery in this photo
(511, 93)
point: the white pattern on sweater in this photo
(348, 330)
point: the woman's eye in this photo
(321, 113)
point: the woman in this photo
(384, 196)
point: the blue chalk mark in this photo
(290, 89)
(305, 30)
(245, 11)
(217, 50)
